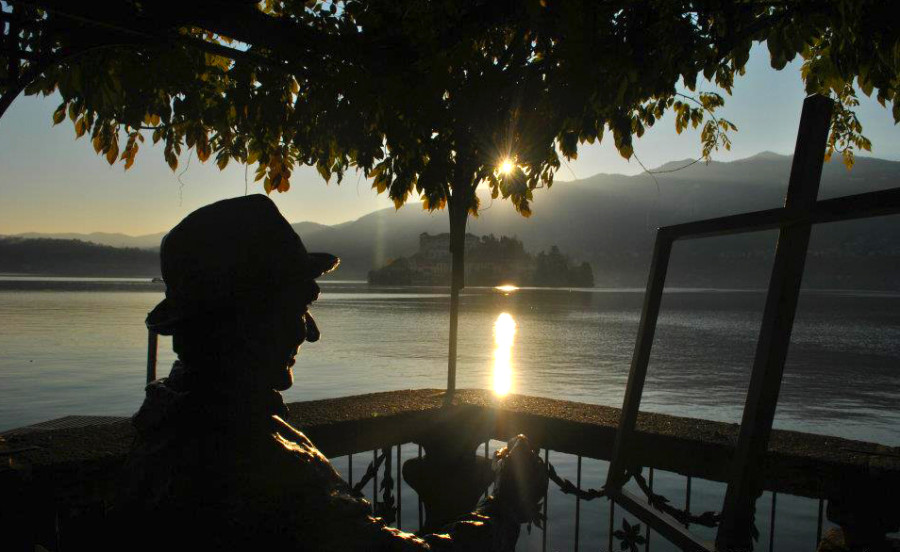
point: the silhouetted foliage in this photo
(426, 96)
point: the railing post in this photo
(399, 489)
(418, 496)
(152, 348)
(650, 486)
(546, 499)
(350, 469)
(772, 523)
(687, 499)
(375, 482)
(775, 331)
(612, 523)
(578, 504)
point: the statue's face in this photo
(291, 325)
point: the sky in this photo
(50, 182)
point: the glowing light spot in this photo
(506, 289)
(504, 337)
(506, 166)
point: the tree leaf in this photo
(60, 114)
(113, 152)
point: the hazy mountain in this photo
(610, 221)
(309, 228)
(148, 241)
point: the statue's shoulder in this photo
(298, 462)
(288, 432)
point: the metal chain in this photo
(370, 473)
(568, 487)
(385, 508)
(661, 503)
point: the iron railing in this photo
(686, 462)
(567, 524)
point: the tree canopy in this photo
(426, 97)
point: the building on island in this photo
(489, 261)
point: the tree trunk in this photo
(459, 213)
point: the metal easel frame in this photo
(801, 210)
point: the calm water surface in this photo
(79, 347)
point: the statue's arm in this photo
(486, 529)
(521, 482)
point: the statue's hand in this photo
(520, 480)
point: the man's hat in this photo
(228, 251)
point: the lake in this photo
(78, 346)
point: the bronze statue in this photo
(215, 465)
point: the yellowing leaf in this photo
(202, 153)
(325, 173)
(59, 114)
(113, 152)
(80, 127)
(129, 156)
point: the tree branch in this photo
(34, 71)
(240, 21)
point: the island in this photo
(490, 261)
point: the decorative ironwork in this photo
(371, 471)
(386, 508)
(568, 487)
(658, 501)
(629, 536)
(661, 503)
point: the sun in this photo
(506, 166)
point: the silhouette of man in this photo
(215, 465)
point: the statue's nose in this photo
(312, 329)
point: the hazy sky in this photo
(50, 182)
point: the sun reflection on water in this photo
(504, 337)
(506, 289)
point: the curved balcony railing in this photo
(62, 473)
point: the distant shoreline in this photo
(20, 277)
(57, 283)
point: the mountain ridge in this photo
(121, 239)
(610, 222)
